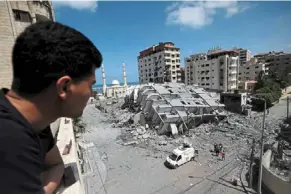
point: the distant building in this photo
(244, 55)
(217, 70)
(159, 64)
(15, 16)
(248, 73)
(182, 70)
(278, 62)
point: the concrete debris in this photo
(145, 136)
(163, 143)
(130, 143)
(137, 136)
(141, 130)
(163, 106)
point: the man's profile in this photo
(53, 73)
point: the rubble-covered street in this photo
(121, 156)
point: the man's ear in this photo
(63, 86)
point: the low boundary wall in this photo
(71, 160)
(272, 181)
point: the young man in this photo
(53, 73)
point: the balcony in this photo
(232, 87)
(233, 65)
(232, 72)
(232, 79)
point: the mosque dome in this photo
(115, 83)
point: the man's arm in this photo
(52, 177)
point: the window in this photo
(40, 18)
(22, 16)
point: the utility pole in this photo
(262, 151)
(287, 107)
(251, 165)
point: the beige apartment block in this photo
(278, 62)
(15, 16)
(216, 70)
(159, 63)
(251, 70)
(244, 55)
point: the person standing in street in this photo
(53, 74)
(222, 154)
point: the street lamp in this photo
(262, 149)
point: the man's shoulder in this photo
(14, 130)
(17, 139)
(21, 159)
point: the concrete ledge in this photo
(273, 182)
(65, 135)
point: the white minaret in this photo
(124, 75)
(104, 80)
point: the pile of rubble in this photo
(235, 132)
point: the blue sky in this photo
(121, 29)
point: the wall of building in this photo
(279, 62)
(11, 27)
(159, 64)
(273, 182)
(218, 73)
(251, 70)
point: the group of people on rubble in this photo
(218, 149)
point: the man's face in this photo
(75, 95)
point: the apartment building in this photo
(278, 62)
(251, 70)
(159, 63)
(249, 73)
(244, 55)
(15, 16)
(217, 70)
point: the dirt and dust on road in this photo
(120, 156)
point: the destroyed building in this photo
(175, 108)
(235, 102)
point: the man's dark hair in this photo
(48, 50)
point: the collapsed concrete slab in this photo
(184, 106)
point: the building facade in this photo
(15, 16)
(251, 70)
(217, 70)
(244, 55)
(278, 62)
(159, 64)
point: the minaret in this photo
(104, 80)
(124, 75)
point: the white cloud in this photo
(199, 14)
(77, 4)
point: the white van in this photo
(181, 155)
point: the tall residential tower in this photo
(159, 63)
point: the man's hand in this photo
(52, 177)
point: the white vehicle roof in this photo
(180, 150)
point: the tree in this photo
(268, 88)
